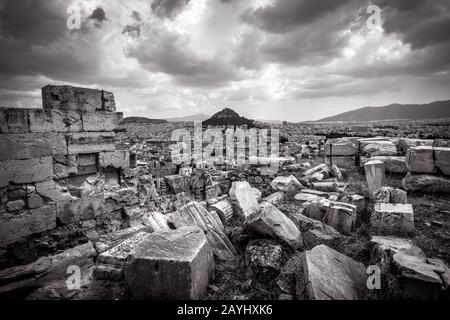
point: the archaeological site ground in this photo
(94, 207)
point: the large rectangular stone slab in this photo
(31, 145)
(421, 160)
(393, 164)
(392, 219)
(340, 149)
(101, 121)
(31, 222)
(346, 163)
(325, 274)
(174, 264)
(26, 171)
(71, 98)
(55, 120)
(14, 120)
(90, 142)
(442, 156)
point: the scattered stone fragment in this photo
(390, 195)
(155, 221)
(224, 209)
(245, 199)
(263, 258)
(271, 222)
(46, 269)
(194, 214)
(325, 274)
(174, 264)
(275, 198)
(285, 184)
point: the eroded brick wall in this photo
(61, 177)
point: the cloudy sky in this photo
(268, 59)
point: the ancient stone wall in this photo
(61, 177)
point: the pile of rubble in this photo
(71, 201)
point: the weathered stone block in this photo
(340, 149)
(375, 175)
(155, 221)
(28, 223)
(386, 148)
(111, 263)
(442, 156)
(68, 212)
(34, 201)
(175, 264)
(64, 166)
(13, 120)
(390, 195)
(245, 199)
(15, 205)
(392, 219)
(53, 191)
(109, 103)
(25, 171)
(194, 214)
(101, 121)
(391, 163)
(347, 163)
(273, 223)
(55, 120)
(264, 259)
(404, 144)
(340, 216)
(275, 198)
(421, 160)
(325, 274)
(224, 209)
(31, 145)
(427, 183)
(285, 184)
(383, 248)
(91, 142)
(71, 98)
(359, 202)
(119, 159)
(178, 183)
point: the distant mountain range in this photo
(228, 117)
(438, 109)
(194, 117)
(142, 120)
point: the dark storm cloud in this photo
(169, 53)
(31, 21)
(418, 22)
(300, 32)
(286, 15)
(168, 8)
